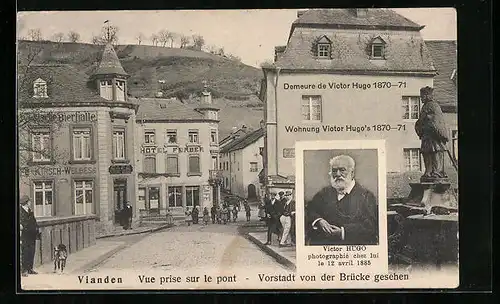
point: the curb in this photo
(154, 229)
(278, 257)
(100, 259)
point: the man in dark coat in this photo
(274, 210)
(431, 129)
(127, 216)
(344, 213)
(29, 234)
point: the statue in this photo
(431, 129)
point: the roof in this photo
(65, 84)
(167, 109)
(405, 50)
(375, 18)
(110, 64)
(444, 55)
(244, 141)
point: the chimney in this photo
(244, 128)
(278, 50)
(360, 12)
(206, 96)
(300, 13)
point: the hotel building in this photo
(178, 155)
(346, 74)
(76, 150)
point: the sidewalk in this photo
(287, 256)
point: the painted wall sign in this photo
(171, 149)
(289, 153)
(120, 169)
(57, 170)
(74, 117)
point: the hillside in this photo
(173, 71)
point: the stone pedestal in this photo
(430, 194)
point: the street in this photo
(194, 246)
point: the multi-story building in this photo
(76, 148)
(242, 160)
(346, 74)
(179, 155)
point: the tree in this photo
(234, 57)
(73, 36)
(172, 37)
(184, 41)
(164, 37)
(139, 38)
(198, 42)
(58, 37)
(154, 39)
(220, 51)
(35, 34)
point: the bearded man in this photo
(344, 213)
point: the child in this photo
(206, 217)
(188, 216)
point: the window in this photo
(150, 164)
(141, 200)
(324, 50)
(172, 164)
(454, 143)
(412, 159)
(175, 196)
(119, 144)
(40, 88)
(192, 196)
(254, 167)
(193, 136)
(44, 196)
(106, 89)
(82, 147)
(411, 107)
(377, 51)
(311, 108)
(214, 163)
(84, 197)
(194, 164)
(171, 136)
(149, 137)
(40, 143)
(213, 136)
(120, 90)
(220, 166)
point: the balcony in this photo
(215, 176)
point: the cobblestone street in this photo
(192, 247)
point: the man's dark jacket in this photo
(30, 226)
(357, 212)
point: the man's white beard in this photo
(339, 183)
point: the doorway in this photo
(119, 197)
(252, 192)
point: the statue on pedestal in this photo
(431, 129)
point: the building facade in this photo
(178, 163)
(346, 74)
(76, 149)
(242, 162)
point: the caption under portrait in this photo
(341, 207)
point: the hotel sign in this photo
(120, 169)
(57, 170)
(171, 149)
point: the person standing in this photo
(213, 213)
(286, 219)
(273, 213)
(188, 216)
(127, 216)
(206, 217)
(169, 217)
(30, 232)
(195, 214)
(247, 211)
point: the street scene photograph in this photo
(157, 149)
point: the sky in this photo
(248, 34)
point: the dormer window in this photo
(120, 90)
(106, 89)
(324, 48)
(40, 88)
(377, 48)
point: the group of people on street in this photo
(278, 210)
(218, 214)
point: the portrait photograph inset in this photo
(340, 197)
